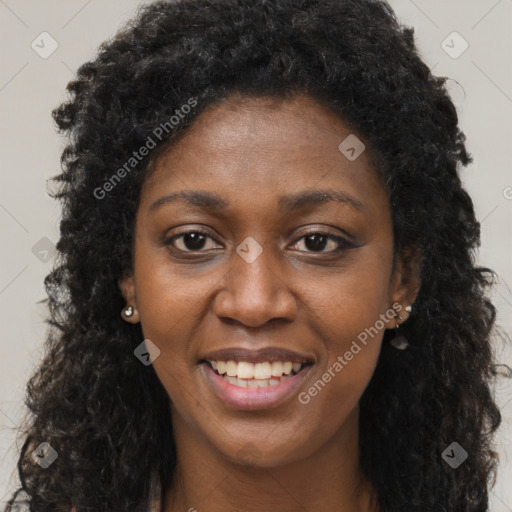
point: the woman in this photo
(263, 194)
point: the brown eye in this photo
(318, 242)
(189, 241)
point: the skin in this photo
(251, 151)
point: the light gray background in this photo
(31, 86)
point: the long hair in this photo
(106, 415)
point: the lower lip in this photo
(250, 399)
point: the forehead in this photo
(272, 120)
(259, 144)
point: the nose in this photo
(255, 293)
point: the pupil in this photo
(315, 245)
(194, 241)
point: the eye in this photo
(190, 241)
(317, 241)
(314, 241)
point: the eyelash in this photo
(343, 242)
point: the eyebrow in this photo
(288, 203)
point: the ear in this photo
(127, 287)
(405, 283)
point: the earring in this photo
(128, 311)
(408, 308)
(399, 341)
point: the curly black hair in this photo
(108, 416)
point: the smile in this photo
(250, 386)
(260, 375)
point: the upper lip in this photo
(256, 356)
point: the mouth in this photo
(250, 386)
(245, 374)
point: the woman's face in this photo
(239, 269)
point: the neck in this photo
(329, 480)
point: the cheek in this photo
(347, 309)
(343, 374)
(169, 297)
(170, 307)
(351, 300)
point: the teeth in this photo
(262, 371)
(259, 371)
(244, 370)
(255, 383)
(231, 368)
(277, 369)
